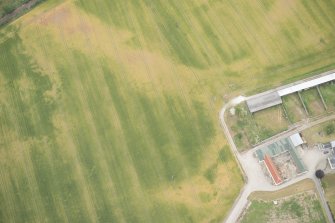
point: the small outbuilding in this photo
(296, 139)
(264, 100)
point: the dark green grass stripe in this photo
(156, 124)
(212, 36)
(310, 7)
(46, 183)
(89, 157)
(89, 152)
(12, 68)
(134, 141)
(22, 212)
(329, 20)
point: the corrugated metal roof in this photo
(298, 161)
(263, 100)
(274, 149)
(273, 97)
(296, 139)
(305, 84)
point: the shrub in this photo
(9, 8)
(210, 174)
(330, 129)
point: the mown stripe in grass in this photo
(12, 69)
(9, 64)
(310, 6)
(212, 35)
(46, 183)
(320, 10)
(134, 139)
(268, 4)
(186, 124)
(89, 155)
(174, 30)
(172, 26)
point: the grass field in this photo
(294, 108)
(109, 109)
(313, 102)
(296, 203)
(249, 129)
(318, 133)
(304, 208)
(328, 94)
(271, 121)
(328, 183)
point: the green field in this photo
(304, 207)
(294, 108)
(295, 203)
(313, 102)
(328, 183)
(271, 121)
(328, 94)
(109, 109)
(320, 133)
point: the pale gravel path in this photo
(253, 174)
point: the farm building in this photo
(263, 101)
(272, 169)
(296, 139)
(273, 97)
(281, 159)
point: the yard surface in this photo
(109, 109)
(328, 183)
(296, 203)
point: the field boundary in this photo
(18, 12)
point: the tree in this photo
(319, 174)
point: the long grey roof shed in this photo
(264, 100)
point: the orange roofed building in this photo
(272, 170)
